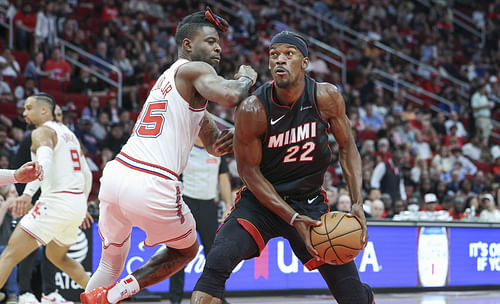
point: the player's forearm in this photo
(265, 193)
(350, 161)
(3, 210)
(209, 133)
(7, 177)
(237, 90)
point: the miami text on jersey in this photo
(293, 135)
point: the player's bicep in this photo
(250, 127)
(332, 107)
(42, 137)
(341, 129)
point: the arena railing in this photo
(463, 21)
(356, 37)
(318, 46)
(398, 82)
(65, 45)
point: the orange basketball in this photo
(338, 239)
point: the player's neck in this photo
(42, 122)
(290, 94)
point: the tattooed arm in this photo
(216, 142)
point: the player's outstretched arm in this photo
(213, 87)
(332, 108)
(24, 174)
(250, 129)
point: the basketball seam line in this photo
(316, 244)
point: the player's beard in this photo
(282, 83)
(205, 58)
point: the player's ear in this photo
(187, 45)
(305, 62)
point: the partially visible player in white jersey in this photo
(61, 208)
(141, 186)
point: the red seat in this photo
(22, 58)
(59, 96)
(20, 81)
(80, 100)
(103, 100)
(10, 81)
(134, 115)
(143, 94)
(47, 84)
(484, 166)
(367, 134)
(9, 109)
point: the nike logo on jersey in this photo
(305, 108)
(275, 121)
(309, 201)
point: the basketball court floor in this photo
(438, 297)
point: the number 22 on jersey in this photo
(151, 121)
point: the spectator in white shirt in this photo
(472, 149)
(468, 168)
(481, 111)
(8, 64)
(461, 132)
(491, 212)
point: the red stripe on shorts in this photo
(313, 264)
(254, 232)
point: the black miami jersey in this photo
(295, 151)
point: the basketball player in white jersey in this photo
(25, 174)
(61, 208)
(141, 186)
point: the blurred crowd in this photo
(420, 162)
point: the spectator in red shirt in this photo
(452, 139)
(58, 68)
(25, 22)
(109, 11)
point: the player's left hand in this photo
(28, 172)
(87, 221)
(303, 226)
(22, 206)
(224, 142)
(357, 211)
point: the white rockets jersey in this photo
(65, 174)
(165, 130)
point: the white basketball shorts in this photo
(130, 197)
(56, 216)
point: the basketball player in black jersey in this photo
(281, 148)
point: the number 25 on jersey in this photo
(151, 121)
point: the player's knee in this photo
(218, 267)
(352, 291)
(221, 261)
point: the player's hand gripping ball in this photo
(338, 239)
